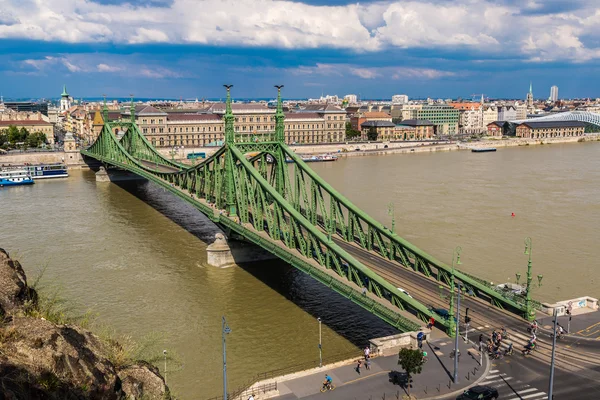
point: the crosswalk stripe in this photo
(529, 396)
(508, 378)
(533, 395)
(494, 371)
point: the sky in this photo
(375, 49)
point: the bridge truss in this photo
(257, 187)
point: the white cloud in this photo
(365, 73)
(107, 68)
(43, 63)
(158, 72)
(530, 29)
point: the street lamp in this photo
(320, 347)
(391, 212)
(528, 309)
(165, 356)
(226, 330)
(455, 261)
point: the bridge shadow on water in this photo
(340, 314)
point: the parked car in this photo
(479, 393)
(405, 292)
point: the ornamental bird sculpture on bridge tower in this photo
(279, 118)
(229, 118)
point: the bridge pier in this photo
(223, 254)
(115, 175)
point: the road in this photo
(574, 355)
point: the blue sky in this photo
(189, 48)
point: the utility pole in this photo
(467, 320)
(320, 346)
(225, 331)
(551, 383)
(457, 333)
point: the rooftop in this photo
(323, 108)
(303, 115)
(376, 114)
(193, 117)
(143, 109)
(25, 122)
(377, 124)
(553, 124)
(219, 108)
(416, 122)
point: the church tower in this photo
(529, 101)
(65, 102)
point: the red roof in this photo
(25, 122)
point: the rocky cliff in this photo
(40, 359)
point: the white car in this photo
(405, 292)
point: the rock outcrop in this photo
(43, 360)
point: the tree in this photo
(372, 134)
(36, 139)
(351, 133)
(411, 362)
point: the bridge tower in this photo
(229, 163)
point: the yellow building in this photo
(33, 126)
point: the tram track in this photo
(484, 317)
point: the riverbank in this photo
(42, 355)
(348, 149)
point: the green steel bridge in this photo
(249, 189)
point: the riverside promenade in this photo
(385, 378)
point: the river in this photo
(135, 255)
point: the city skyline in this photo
(173, 49)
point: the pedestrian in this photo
(251, 397)
(358, 365)
(431, 323)
(364, 291)
(420, 336)
(368, 363)
(367, 352)
(480, 341)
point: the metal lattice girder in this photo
(381, 239)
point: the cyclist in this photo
(328, 380)
(425, 357)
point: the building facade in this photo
(418, 130)
(33, 126)
(507, 113)
(554, 94)
(496, 128)
(550, 129)
(444, 117)
(489, 114)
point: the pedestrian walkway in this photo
(385, 378)
(510, 388)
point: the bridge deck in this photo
(484, 317)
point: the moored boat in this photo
(44, 171)
(483, 150)
(317, 158)
(15, 177)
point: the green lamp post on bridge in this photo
(393, 215)
(530, 313)
(451, 322)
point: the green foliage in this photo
(372, 134)
(11, 136)
(411, 362)
(36, 139)
(351, 133)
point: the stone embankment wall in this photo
(32, 158)
(40, 359)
